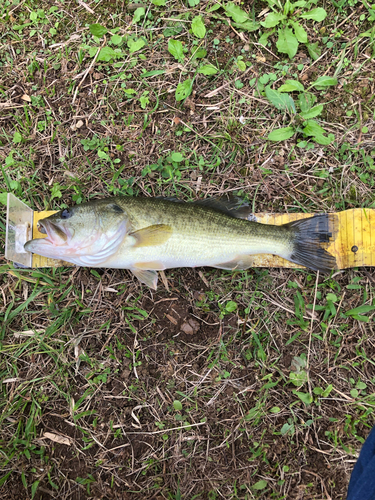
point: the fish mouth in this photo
(55, 234)
(54, 245)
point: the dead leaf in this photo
(190, 327)
(26, 97)
(172, 319)
(57, 438)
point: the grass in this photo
(254, 384)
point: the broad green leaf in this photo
(138, 14)
(360, 385)
(300, 3)
(313, 112)
(317, 132)
(247, 26)
(291, 85)
(264, 38)
(287, 7)
(260, 485)
(144, 100)
(318, 391)
(304, 397)
(116, 39)
(135, 45)
(208, 69)
(281, 134)
(93, 51)
(287, 428)
(283, 102)
(306, 101)
(177, 157)
(299, 31)
(177, 405)
(299, 378)
(275, 409)
(193, 3)
(231, 306)
(198, 27)
(361, 317)
(327, 391)
(198, 54)
(153, 73)
(324, 140)
(176, 49)
(97, 30)
(238, 15)
(184, 89)
(272, 19)
(172, 30)
(312, 128)
(241, 65)
(159, 3)
(360, 310)
(324, 81)
(17, 138)
(314, 50)
(287, 43)
(107, 53)
(318, 14)
(3, 198)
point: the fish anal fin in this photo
(240, 262)
(148, 277)
(154, 265)
(152, 235)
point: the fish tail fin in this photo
(311, 238)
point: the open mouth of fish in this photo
(55, 235)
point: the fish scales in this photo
(201, 235)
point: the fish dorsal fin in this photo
(149, 278)
(152, 235)
(233, 206)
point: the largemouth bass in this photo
(146, 235)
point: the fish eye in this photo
(65, 214)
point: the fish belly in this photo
(212, 251)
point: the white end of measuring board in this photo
(19, 227)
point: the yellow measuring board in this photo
(353, 245)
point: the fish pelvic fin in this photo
(311, 238)
(148, 277)
(152, 235)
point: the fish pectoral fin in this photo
(148, 277)
(152, 235)
(240, 262)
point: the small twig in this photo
(89, 69)
(162, 430)
(85, 6)
(321, 480)
(311, 65)
(360, 124)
